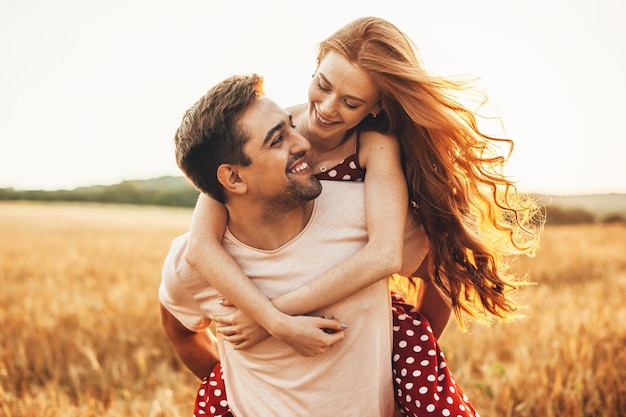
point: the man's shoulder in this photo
(296, 109)
(178, 245)
(175, 257)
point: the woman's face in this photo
(340, 96)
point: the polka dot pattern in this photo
(211, 397)
(423, 382)
(346, 170)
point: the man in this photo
(278, 233)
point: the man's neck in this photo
(258, 230)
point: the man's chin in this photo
(308, 190)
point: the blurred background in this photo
(92, 92)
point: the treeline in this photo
(177, 192)
(165, 191)
(563, 215)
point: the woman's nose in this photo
(327, 107)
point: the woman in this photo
(369, 89)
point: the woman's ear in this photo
(229, 177)
(376, 110)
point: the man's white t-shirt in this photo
(354, 377)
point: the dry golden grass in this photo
(567, 357)
(81, 334)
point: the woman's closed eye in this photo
(323, 88)
(350, 105)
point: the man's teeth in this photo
(300, 167)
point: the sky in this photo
(91, 92)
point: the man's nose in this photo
(299, 144)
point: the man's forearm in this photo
(199, 353)
(197, 350)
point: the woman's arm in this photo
(207, 255)
(386, 204)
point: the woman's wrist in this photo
(276, 323)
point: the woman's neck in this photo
(320, 145)
(326, 158)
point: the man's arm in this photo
(198, 350)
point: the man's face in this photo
(279, 175)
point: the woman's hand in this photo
(309, 336)
(238, 329)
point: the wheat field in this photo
(81, 336)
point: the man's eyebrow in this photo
(322, 76)
(273, 130)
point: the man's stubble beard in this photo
(294, 196)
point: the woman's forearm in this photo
(386, 205)
(207, 255)
(365, 267)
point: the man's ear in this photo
(228, 176)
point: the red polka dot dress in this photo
(211, 397)
(423, 382)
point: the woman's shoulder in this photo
(371, 139)
(296, 109)
(384, 146)
(371, 136)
